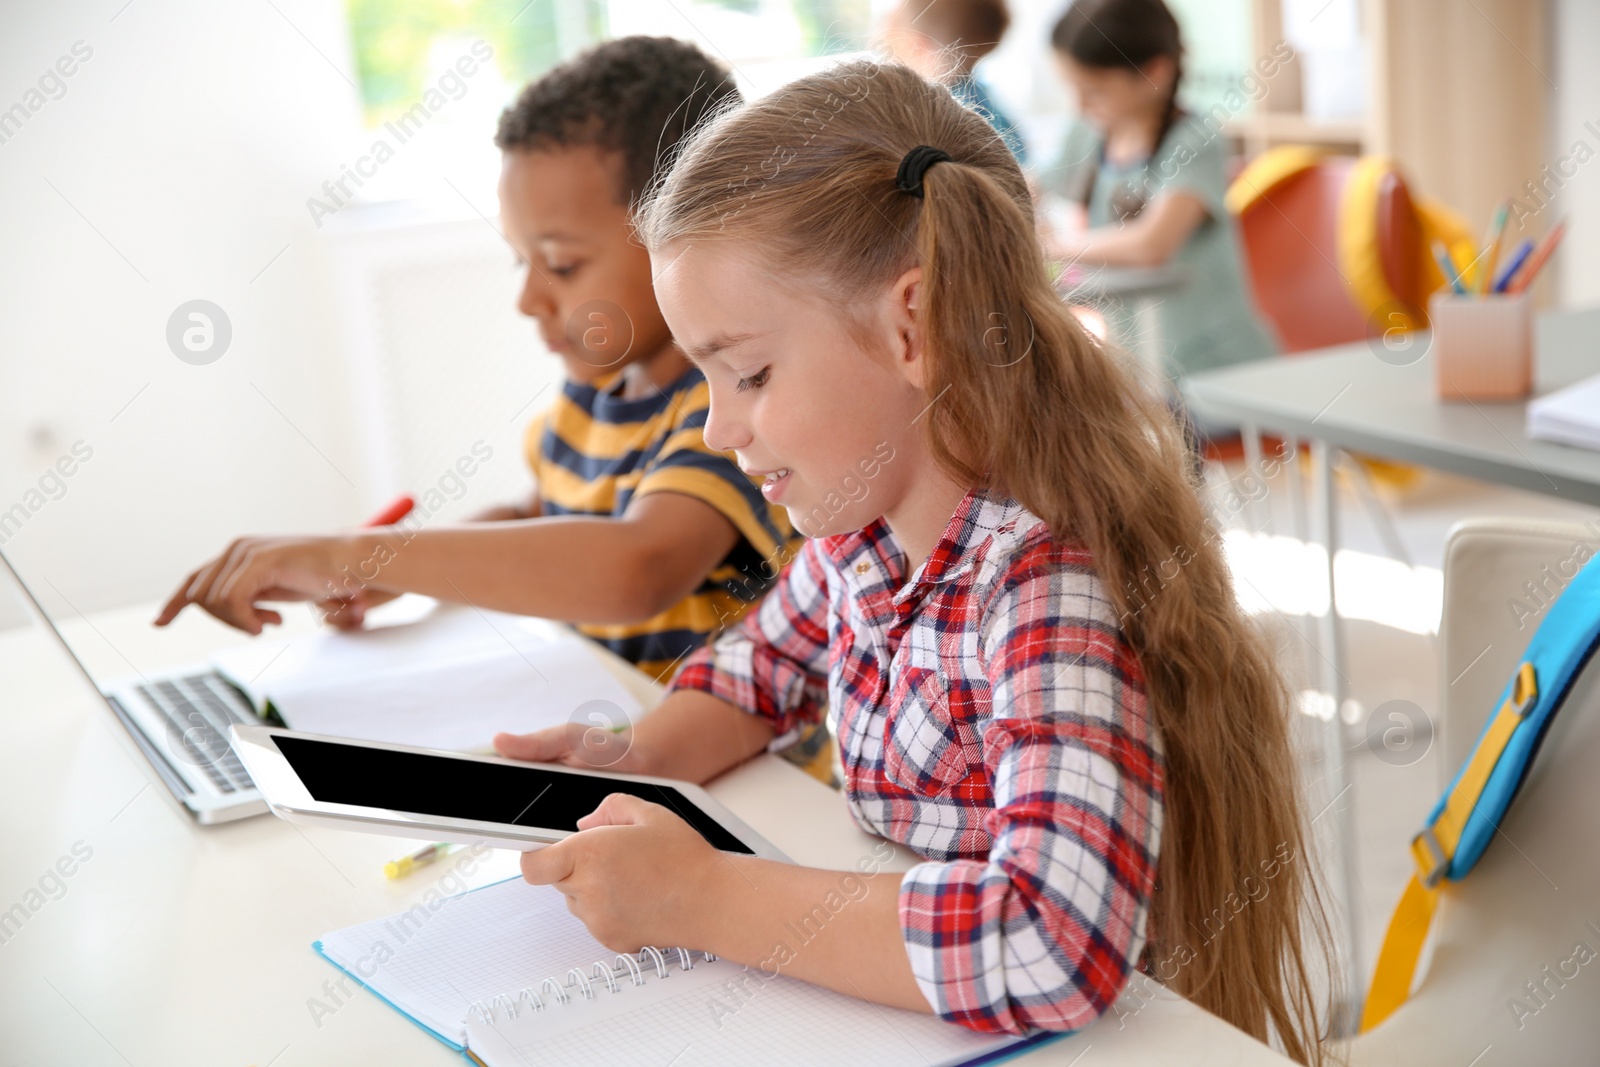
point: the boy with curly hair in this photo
(636, 532)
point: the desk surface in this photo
(1351, 398)
(177, 944)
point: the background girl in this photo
(1148, 179)
(1044, 684)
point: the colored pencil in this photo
(1491, 247)
(1447, 267)
(1518, 258)
(1541, 255)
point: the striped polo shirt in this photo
(593, 451)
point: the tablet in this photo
(402, 791)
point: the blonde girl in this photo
(1091, 762)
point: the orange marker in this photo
(398, 509)
(1526, 275)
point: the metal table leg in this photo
(1340, 810)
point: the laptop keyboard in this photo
(198, 710)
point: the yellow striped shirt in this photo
(594, 451)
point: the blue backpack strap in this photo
(1557, 654)
(1465, 819)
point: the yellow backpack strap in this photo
(1268, 170)
(1402, 947)
(1433, 849)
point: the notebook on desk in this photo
(448, 678)
(508, 975)
(1570, 416)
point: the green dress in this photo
(1211, 321)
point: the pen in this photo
(398, 509)
(1491, 251)
(420, 858)
(1540, 255)
(1518, 257)
(1448, 267)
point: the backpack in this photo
(1467, 816)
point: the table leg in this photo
(1382, 520)
(1250, 437)
(1297, 493)
(1341, 808)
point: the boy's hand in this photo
(256, 569)
(528, 509)
(615, 875)
(575, 745)
(350, 612)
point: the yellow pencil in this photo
(1491, 252)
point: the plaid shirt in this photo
(992, 718)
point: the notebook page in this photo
(442, 632)
(462, 704)
(779, 1022)
(450, 681)
(474, 946)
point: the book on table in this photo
(509, 975)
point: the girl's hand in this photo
(692, 736)
(591, 747)
(636, 874)
(256, 569)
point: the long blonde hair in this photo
(1025, 402)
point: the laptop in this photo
(179, 722)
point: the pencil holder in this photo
(1482, 345)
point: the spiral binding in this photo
(554, 990)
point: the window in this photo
(401, 48)
(433, 75)
(765, 42)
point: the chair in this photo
(1332, 242)
(1338, 251)
(1515, 961)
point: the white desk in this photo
(175, 944)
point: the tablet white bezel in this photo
(288, 798)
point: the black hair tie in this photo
(915, 165)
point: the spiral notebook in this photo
(509, 974)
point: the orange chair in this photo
(1296, 231)
(1338, 250)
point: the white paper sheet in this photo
(451, 680)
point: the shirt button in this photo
(863, 567)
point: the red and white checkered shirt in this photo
(992, 718)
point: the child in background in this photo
(637, 532)
(1149, 179)
(1043, 681)
(943, 40)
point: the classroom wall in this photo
(172, 164)
(176, 161)
(1575, 117)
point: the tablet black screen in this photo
(424, 784)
